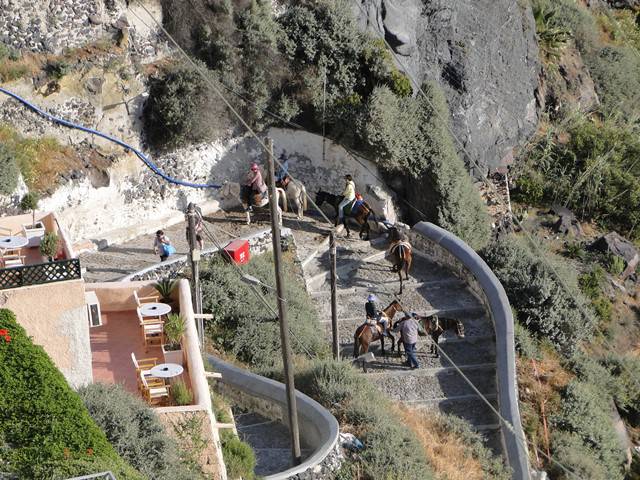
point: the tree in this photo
(30, 203)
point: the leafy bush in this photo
(591, 282)
(57, 69)
(8, 52)
(174, 328)
(9, 172)
(570, 451)
(542, 303)
(411, 137)
(525, 343)
(239, 458)
(625, 369)
(29, 203)
(49, 245)
(181, 394)
(243, 326)
(47, 430)
(391, 450)
(553, 37)
(134, 431)
(615, 265)
(586, 412)
(180, 109)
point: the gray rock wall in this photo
(482, 52)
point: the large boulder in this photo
(485, 56)
(615, 244)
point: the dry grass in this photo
(447, 453)
(41, 160)
(539, 387)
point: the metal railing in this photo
(37, 274)
(96, 476)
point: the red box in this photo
(238, 251)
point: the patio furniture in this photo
(167, 370)
(12, 257)
(143, 366)
(152, 329)
(11, 242)
(154, 390)
(154, 309)
(142, 300)
(6, 232)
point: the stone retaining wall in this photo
(448, 250)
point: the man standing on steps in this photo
(409, 327)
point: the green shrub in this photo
(591, 282)
(625, 369)
(529, 189)
(57, 69)
(570, 451)
(575, 250)
(49, 245)
(243, 326)
(391, 450)
(181, 394)
(544, 306)
(180, 109)
(9, 172)
(526, 345)
(134, 431)
(174, 328)
(164, 287)
(48, 429)
(553, 37)
(586, 412)
(30, 203)
(615, 265)
(411, 137)
(239, 458)
(8, 52)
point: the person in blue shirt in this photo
(282, 174)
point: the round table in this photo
(166, 370)
(9, 243)
(154, 309)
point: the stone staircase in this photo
(436, 385)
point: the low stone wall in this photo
(259, 242)
(318, 428)
(448, 250)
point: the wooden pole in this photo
(194, 258)
(282, 311)
(335, 334)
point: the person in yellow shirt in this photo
(349, 195)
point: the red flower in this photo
(7, 338)
(3, 332)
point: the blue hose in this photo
(140, 155)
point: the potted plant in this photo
(174, 328)
(35, 231)
(49, 246)
(164, 287)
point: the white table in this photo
(166, 370)
(9, 243)
(154, 309)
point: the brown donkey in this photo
(400, 253)
(367, 334)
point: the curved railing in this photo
(445, 248)
(319, 429)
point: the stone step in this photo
(443, 385)
(461, 353)
(472, 409)
(363, 291)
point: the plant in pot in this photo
(35, 231)
(49, 245)
(164, 287)
(174, 328)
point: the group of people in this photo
(408, 327)
(254, 183)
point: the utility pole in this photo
(194, 258)
(282, 311)
(324, 104)
(335, 334)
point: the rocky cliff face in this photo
(482, 52)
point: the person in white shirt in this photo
(349, 195)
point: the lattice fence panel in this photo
(59, 271)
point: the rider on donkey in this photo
(349, 195)
(374, 314)
(253, 185)
(282, 175)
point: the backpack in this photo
(168, 249)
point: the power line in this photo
(206, 78)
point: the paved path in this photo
(362, 269)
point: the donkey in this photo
(367, 334)
(400, 253)
(361, 216)
(296, 196)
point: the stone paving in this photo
(436, 385)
